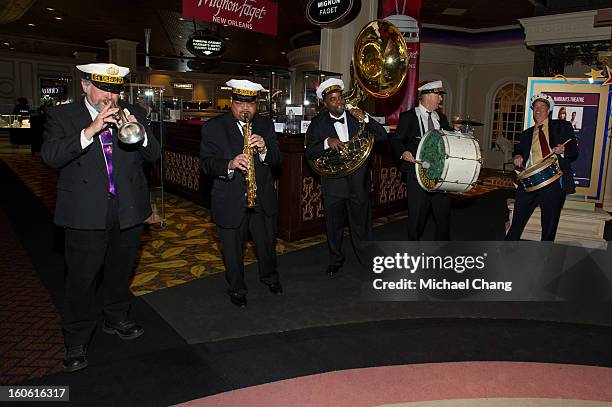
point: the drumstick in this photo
(423, 164)
(551, 152)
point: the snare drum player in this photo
(412, 126)
(535, 144)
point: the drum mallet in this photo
(423, 164)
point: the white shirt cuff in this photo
(326, 144)
(84, 142)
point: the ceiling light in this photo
(59, 18)
(181, 19)
(50, 9)
(32, 24)
(283, 52)
(7, 44)
(180, 36)
(226, 38)
(257, 60)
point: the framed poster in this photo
(586, 105)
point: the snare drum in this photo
(454, 161)
(538, 176)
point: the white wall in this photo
(472, 76)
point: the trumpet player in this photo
(102, 202)
(331, 129)
(227, 153)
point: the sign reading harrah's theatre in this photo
(253, 15)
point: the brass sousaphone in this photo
(379, 67)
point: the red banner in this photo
(406, 97)
(252, 15)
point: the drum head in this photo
(431, 150)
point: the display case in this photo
(312, 80)
(12, 121)
(278, 85)
(151, 99)
(173, 108)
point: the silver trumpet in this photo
(128, 132)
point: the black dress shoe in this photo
(75, 358)
(238, 300)
(125, 329)
(332, 269)
(276, 288)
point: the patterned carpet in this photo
(187, 247)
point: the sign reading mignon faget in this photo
(332, 13)
(252, 15)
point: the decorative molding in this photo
(471, 30)
(563, 28)
(451, 54)
(306, 55)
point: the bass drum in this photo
(454, 161)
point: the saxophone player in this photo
(331, 129)
(222, 156)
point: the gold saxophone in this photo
(251, 184)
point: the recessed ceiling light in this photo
(32, 24)
(59, 18)
(181, 19)
(257, 60)
(180, 36)
(226, 38)
(50, 9)
(7, 44)
(283, 52)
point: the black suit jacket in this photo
(221, 142)
(408, 136)
(322, 127)
(559, 131)
(82, 187)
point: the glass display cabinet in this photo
(150, 98)
(312, 80)
(278, 84)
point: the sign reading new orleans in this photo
(207, 46)
(333, 13)
(253, 15)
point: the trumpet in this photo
(127, 132)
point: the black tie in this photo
(340, 120)
(430, 123)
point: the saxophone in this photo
(249, 177)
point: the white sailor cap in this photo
(244, 90)
(108, 77)
(432, 87)
(542, 97)
(328, 86)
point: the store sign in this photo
(206, 46)
(252, 15)
(333, 13)
(182, 85)
(52, 90)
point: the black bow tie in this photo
(340, 120)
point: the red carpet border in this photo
(428, 382)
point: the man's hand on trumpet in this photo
(105, 118)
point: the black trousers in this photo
(420, 202)
(550, 199)
(359, 219)
(87, 253)
(263, 231)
